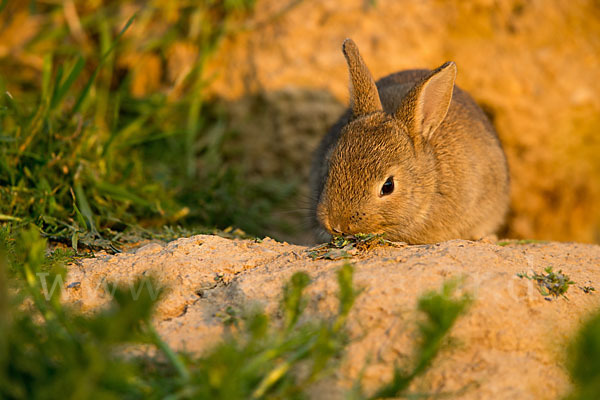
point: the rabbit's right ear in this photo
(425, 106)
(364, 97)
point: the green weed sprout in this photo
(441, 310)
(551, 283)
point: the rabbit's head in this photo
(381, 173)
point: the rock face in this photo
(532, 65)
(510, 344)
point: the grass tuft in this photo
(440, 311)
(112, 133)
(551, 283)
(584, 361)
(341, 247)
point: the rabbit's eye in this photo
(388, 187)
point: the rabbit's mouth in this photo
(339, 221)
(341, 229)
(336, 228)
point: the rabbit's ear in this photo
(364, 97)
(425, 106)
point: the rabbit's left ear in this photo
(426, 105)
(364, 97)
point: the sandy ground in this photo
(511, 343)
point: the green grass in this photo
(86, 157)
(584, 361)
(46, 348)
(442, 310)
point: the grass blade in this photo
(85, 208)
(88, 85)
(4, 217)
(66, 85)
(119, 192)
(46, 75)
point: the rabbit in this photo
(413, 158)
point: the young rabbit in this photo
(413, 158)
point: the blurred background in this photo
(128, 119)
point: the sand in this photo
(510, 344)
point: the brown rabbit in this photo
(413, 158)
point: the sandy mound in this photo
(509, 345)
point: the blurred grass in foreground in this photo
(104, 126)
(584, 362)
(115, 353)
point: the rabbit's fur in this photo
(450, 176)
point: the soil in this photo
(510, 344)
